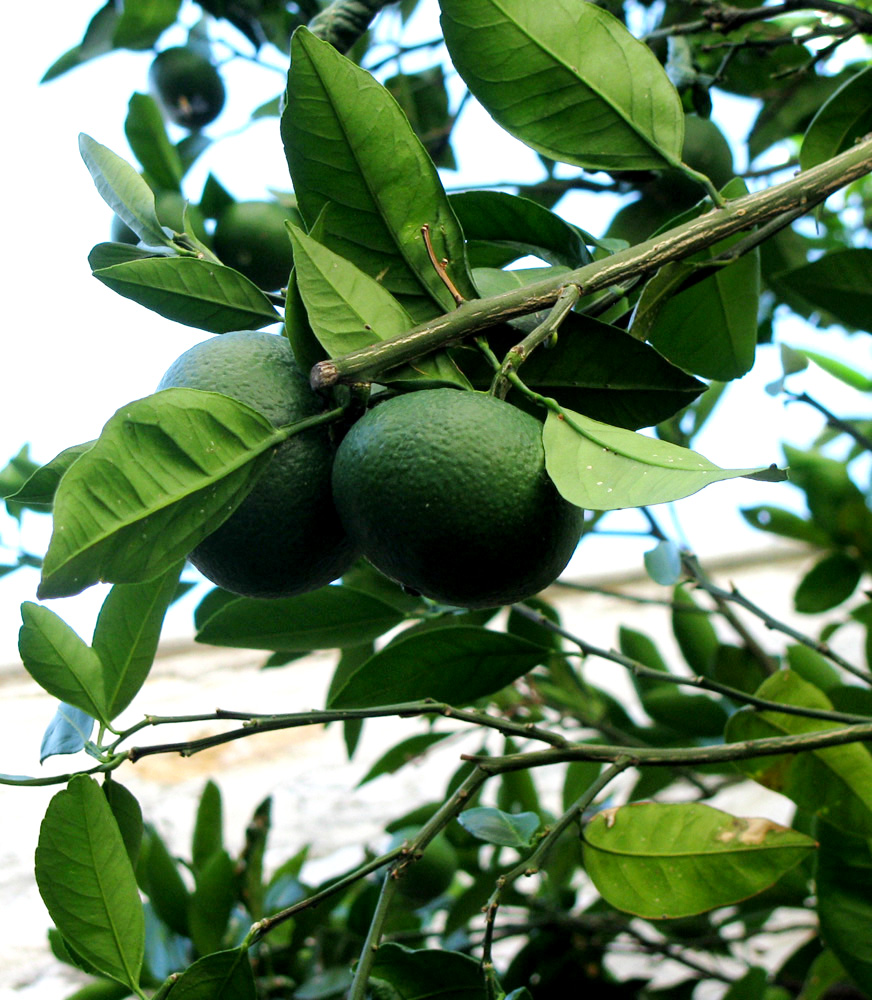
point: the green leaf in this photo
(347, 309)
(837, 283)
(834, 783)
(429, 973)
(497, 827)
(127, 632)
(694, 633)
(571, 83)
(163, 884)
(600, 467)
(165, 472)
(224, 975)
(843, 882)
(457, 664)
(39, 490)
(828, 583)
(838, 369)
(518, 226)
(128, 815)
(141, 25)
(708, 326)
(602, 372)
(197, 293)
(424, 99)
(86, 881)
(208, 836)
(403, 753)
(664, 860)
(334, 616)
(663, 563)
(124, 191)
(147, 135)
(784, 523)
(348, 142)
(97, 41)
(62, 663)
(843, 119)
(211, 903)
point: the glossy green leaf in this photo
(694, 633)
(347, 142)
(602, 372)
(456, 664)
(330, 617)
(127, 632)
(68, 732)
(695, 715)
(843, 119)
(211, 902)
(600, 467)
(165, 472)
(97, 41)
(828, 583)
(838, 284)
(664, 860)
(843, 882)
(838, 369)
(408, 751)
(39, 490)
(141, 25)
(834, 783)
(813, 667)
(347, 309)
(784, 523)
(124, 191)
(164, 884)
(224, 975)
(62, 663)
(518, 226)
(147, 135)
(86, 881)
(428, 974)
(208, 837)
(571, 83)
(128, 815)
(424, 99)
(502, 828)
(708, 327)
(194, 292)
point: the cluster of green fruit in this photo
(443, 490)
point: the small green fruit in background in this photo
(429, 876)
(250, 236)
(188, 88)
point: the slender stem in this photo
(548, 328)
(255, 723)
(357, 991)
(805, 190)
(701, 683)
(532, 863)
(832, 420)
(670, 756)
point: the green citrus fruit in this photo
(285, 537)
(187, 86)
(431, 874)
(251, 237)
(446, 492)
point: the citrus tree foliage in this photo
(493, 889)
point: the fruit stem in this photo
(547, 329)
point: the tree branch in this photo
(807, 189)
(670, 756)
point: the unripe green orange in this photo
(446, 492)
(186, 85)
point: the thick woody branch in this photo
(804, 191)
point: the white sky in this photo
(75, 351)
